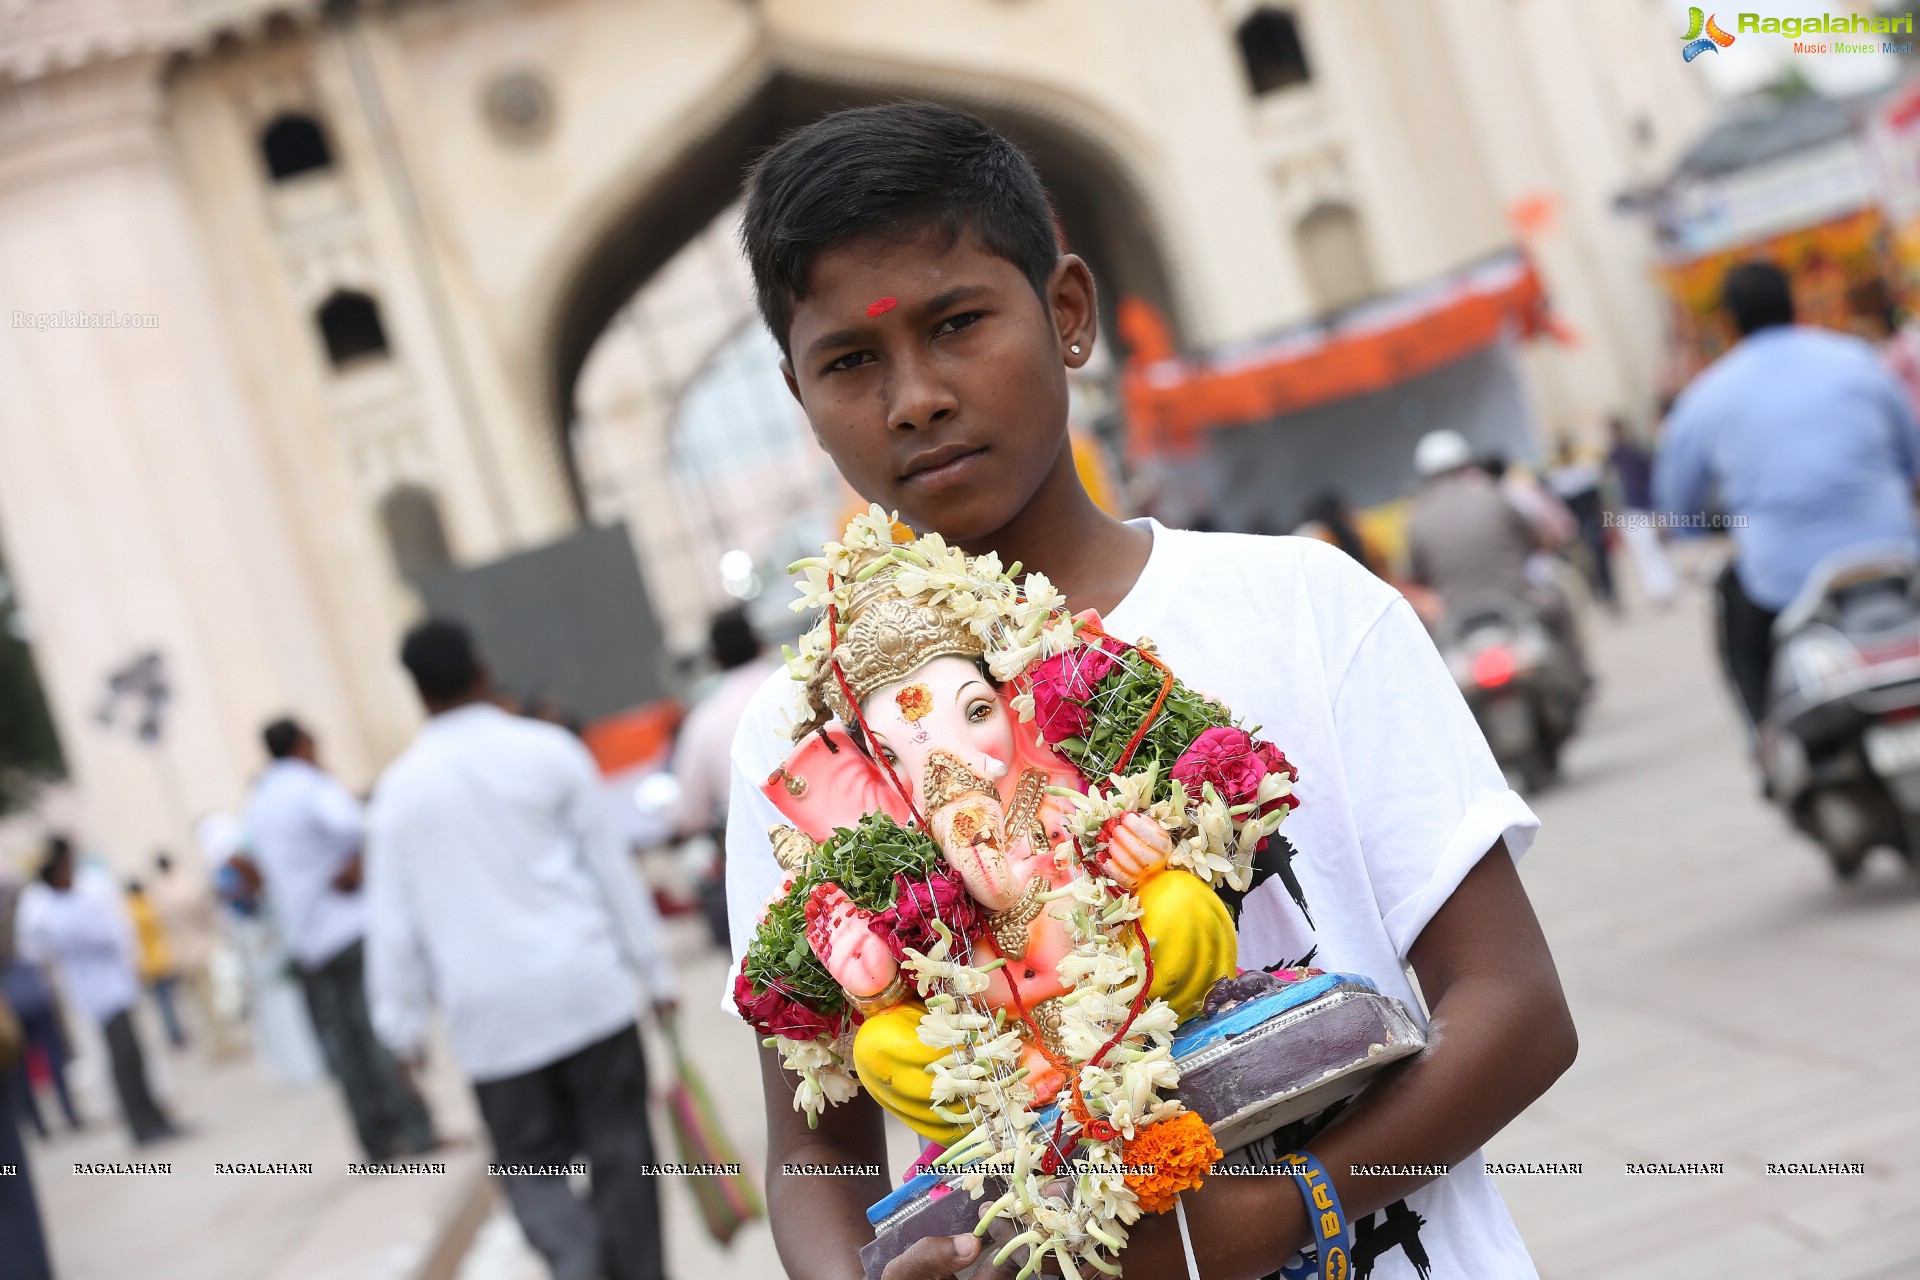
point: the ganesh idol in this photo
(904, 719)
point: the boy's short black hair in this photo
(884, 170)
(440, 656)
(1758, 295)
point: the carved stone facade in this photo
(411, 314)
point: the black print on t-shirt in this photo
(1400, 1230)
(1273, 858)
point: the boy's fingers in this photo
(934, 1258)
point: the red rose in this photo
(909, 921)
(779, 1014)
(1062, 686)
(1226, 757)
(1276, 762)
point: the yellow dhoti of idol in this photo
(1193, 945)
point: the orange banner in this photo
(1172, 401)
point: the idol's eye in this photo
(978, 710)
(886, 753)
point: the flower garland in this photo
(1146, 743)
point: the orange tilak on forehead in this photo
(915, 702)
(880, 307)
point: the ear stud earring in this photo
(1075, 348)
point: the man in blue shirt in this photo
(1812, 448)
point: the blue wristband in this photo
(1326, 1220)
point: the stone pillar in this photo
(137, 508)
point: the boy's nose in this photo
(919, 397)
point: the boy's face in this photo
(935, 377)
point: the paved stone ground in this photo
(1735, 1004)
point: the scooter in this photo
(1840, 741)
(1522, 685)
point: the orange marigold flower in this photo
(1181, 1152)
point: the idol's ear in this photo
(1031, 752)
(826, 783)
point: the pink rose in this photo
(909, 921)
(1228, 758)
(1275, 762)
(1062, 686)
(779, 1014)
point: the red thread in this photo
(1166, 687)
(877, 309)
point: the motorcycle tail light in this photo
(1493, 667)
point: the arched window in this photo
(1333, 253)
(350, 323)
(293, 145)
(410, 515)
(1271, 51)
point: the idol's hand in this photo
(1137, 848)
(1053, 814)
(837, 931)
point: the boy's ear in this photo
(793, 387)
(1076, 316)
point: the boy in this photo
(906, 261)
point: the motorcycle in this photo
(1840, 740)
(1523, 686)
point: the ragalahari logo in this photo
(1698, 21)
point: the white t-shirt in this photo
(1400, 798)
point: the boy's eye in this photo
(953, 324)
(851, 360)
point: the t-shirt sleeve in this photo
(752, 874)
(1428, 799)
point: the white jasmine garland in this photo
(826, 1075)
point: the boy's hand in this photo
(940, 1258)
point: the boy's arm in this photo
(820, 1222)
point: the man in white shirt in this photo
(701, 758)
(500, 890)
(304, 832)
(82, 931)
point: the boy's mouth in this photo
(938, 468)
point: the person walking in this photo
(82, 931)
(1575, 480)
(1813, 449)
(260, 985)
(156, 961)
(23, 1241)
(31, 998)
(190, 915)
(500, 891)
(1632, 468)
(701, 762)
(304, 832)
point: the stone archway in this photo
(1104, 205)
